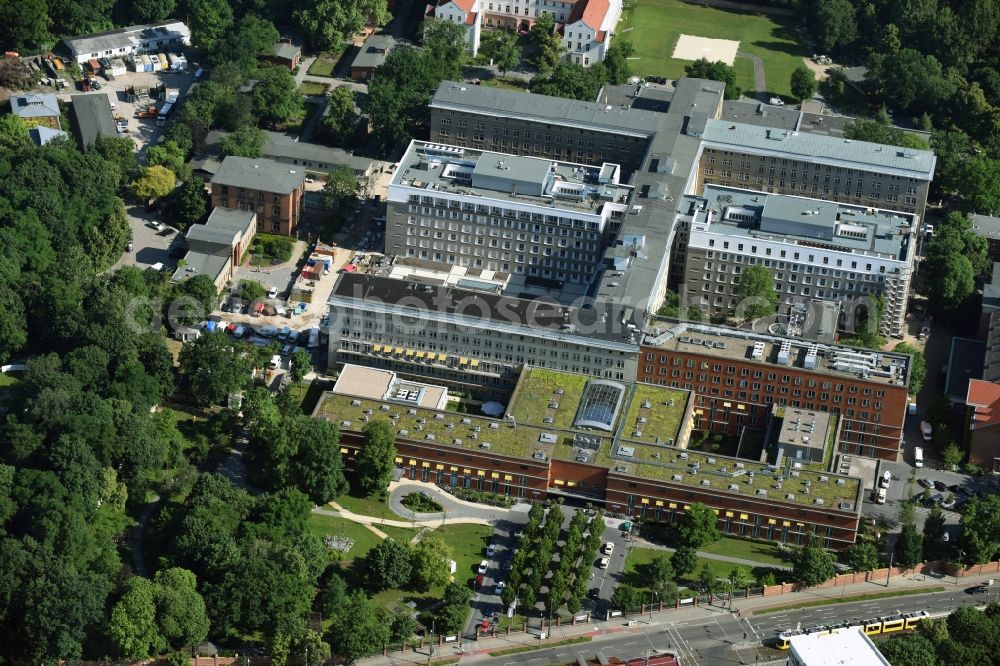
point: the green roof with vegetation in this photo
(538, 389)
(644, 456)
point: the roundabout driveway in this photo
(454, 508)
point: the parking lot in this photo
(486, 602)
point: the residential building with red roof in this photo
(587, 33)
(983, 400)
(592, 21)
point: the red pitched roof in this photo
(591, 12)
(984, 397)
(464, 5)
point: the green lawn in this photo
(653, 26)
(509, 84)
(639, 557)
(315, 89)
(323, 64)
(375, 507)
(7, 379)
(467, 543)
(364, 538)
(765, 553)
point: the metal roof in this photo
(43, 105)
(93, 118)
(373, 52)
(255, 173)
(552, 110)
(132, 35)
(286, 51)
(222, 226)
(744, 137)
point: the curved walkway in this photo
(455, 509)
(759, 80)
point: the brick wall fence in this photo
(930, 568)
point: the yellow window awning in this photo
(466, 471)
(419, 354)
(715, 511)
(398, 460)
(644, 500)
(343, 450)
(744, 516)
(571, 483)
(410, 352)
(729, 514)
(439, 466)
(463, 361)
(672, 505)
(785, 523)
(799, 525)
(727, 404)
(699, 412)
(398, 350)
(425, 465)
(377, 348)
(480, 472)
(453, 468)
(494, 475)
(772, 521)
(687, 506)
(741, 407)
(508, 477)
(659, 502)
(559, 482)
(474, 363)
(442, 357)
(412, 461)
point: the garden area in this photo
(375, 506)
(654, 26)
(268, 250)
(311, 89)
(421, 503)
(324, 64)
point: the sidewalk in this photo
(476, 651)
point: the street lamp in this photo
(651, 593)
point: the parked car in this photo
(926, 483)
(885, 479)
(608, 548)
(926, 430)
(293, 335)
(940, 485)
(491, 550)
(880, 496)
(499, 587)
(478, 581)
(604, 562)
(129, 246)
(948, 503)
(272, 293)
(240, 331)
(483, 567)
(977, 589)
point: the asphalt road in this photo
(722, 638)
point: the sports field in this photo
(653, 27)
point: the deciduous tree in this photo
(133, 621)
(715, 71)
(429, 559)
(684, 560)
(374, 462)
(909, 546)
(699, 526)
(153, 182)
(388, 565)
(246, 141)
(755, 294)
(813, 564)
(339, 124)
(803, 83)
(359, 629)
(501, 47)
(212, 369)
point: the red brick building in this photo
(737, 375)
(633, 469)
(272, 190)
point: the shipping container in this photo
(164, 63)
(154, 62)
(146, 66)
(94, 66)
(118, 67)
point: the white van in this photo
(918, 456)
(926, 430)
(880, 495)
